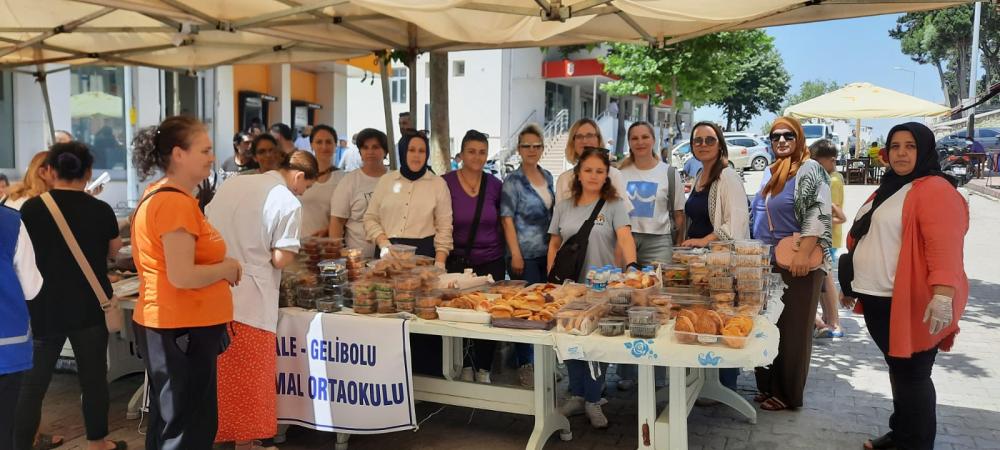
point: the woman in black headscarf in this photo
(906, 267)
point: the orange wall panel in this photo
(250, 77)
(303, 86)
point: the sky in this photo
(847, 51)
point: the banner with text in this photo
(344, 373)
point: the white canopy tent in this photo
(858, 101)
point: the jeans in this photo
(534, 272)
(90, 347)
(181, 364)
(581, 384)
(914, 418)
(10, 386)
(653, 247)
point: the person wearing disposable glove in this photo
(906, 267)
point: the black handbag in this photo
(456, 263)
(569, 259)
(845, 274)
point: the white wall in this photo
(524, 91)
(31, 134)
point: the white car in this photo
(739, 156)
(759, 151)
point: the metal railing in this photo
(556, 127)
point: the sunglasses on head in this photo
(596, 150)
(708, 140)
(788, 135)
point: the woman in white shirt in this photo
(412, 205)
(316, 201)
(37, 181)
(585, 133)
(259, 218)
(350, 199)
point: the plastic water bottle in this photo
(616, 276)
(601, 281)
(591, 276)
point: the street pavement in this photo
(847, 400)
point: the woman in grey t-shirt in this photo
(611, 229)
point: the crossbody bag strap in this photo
(476, 218)
(131, 219)
(584, 231)
(74, 248)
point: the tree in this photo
(809, 90)
(761, 83)
(698, 71)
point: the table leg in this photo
(280, 437)
(342, 441)
(137, 403)
(714, 390)
(647, 407)
(547, 419)
(677, 436)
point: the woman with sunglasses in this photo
(525, 212)
(794, 198)
(585, 133)
(611, 235)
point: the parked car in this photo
(817, 131)
(759, 153)
(739, 156)
(989, 137)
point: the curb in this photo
(983, 191)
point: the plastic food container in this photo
(720, 246)
(746, 260)
(746, 284)
(305, 303)
(362, 289)
(430, 299)
(580, 317)
(422, 260)
(405, 305)
(619, 296)
(675, 274)
(749, 273)
(640, 315)
(327, 304)
(366, 301)
(611, 327)
(645, 330)
(400, 251)
(754, 297)
(507, 288)
(364, 309)
(748, 247)
(406, 282)
(463, 315)
(686, 255)
(386, 306)
(720, 271)
(426, 313)
(723, 258)
(720, 283)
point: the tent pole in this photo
(383, 68)
(857, 139)
(40, 77)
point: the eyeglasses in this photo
(579, 136)
(537, 146)
(706, 141)
(788, 135)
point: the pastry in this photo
(714, 317)
(691, 316)
(706, 325)
(501, 312)
(521, 314)
(684, 325)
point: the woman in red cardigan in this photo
(908, 273)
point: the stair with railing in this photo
(556, 135)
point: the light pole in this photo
(913, 87)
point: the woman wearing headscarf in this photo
(906, 267)
(412, 206)
(794, 198)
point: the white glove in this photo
(939, 313)
(383, 252)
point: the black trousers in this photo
(10, 387)
(425, 349)
(183, 404)
(914, 418)
(90, 348)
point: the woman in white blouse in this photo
(412, 205)
(350, 199)
(316, 201)
(259, 218)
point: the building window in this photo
(97, 113)
(458, 68)
(6, 120)
(397, 85)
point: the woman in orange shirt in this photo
(906, 266)
(184, 286)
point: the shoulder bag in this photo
(569, 259)
(784, 252)
(458, 263)
(112, 312)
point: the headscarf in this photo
(787, 166)
(927, 164)
(404, 168)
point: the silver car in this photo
(758, 152)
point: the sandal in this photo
(762, 397)
(774, 404)
(883, 442)
(47, 442)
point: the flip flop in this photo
(774, 404)
(47, 442)
(823, 333)
(761, 398)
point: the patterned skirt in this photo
(247, 397)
